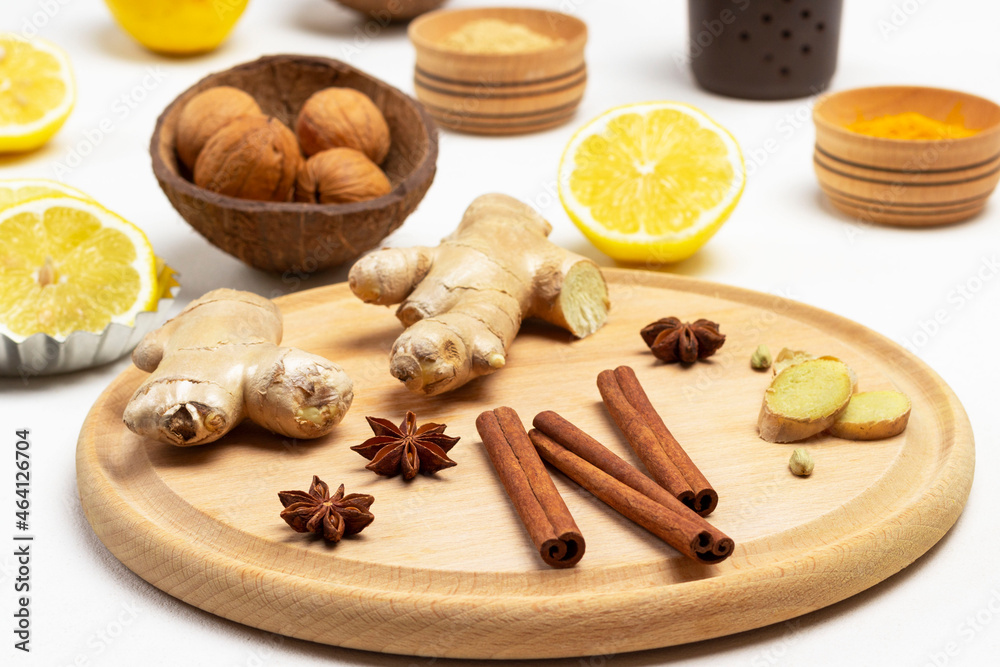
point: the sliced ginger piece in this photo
(873, 415)
(805, 399)
(789, 357)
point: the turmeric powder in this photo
(913, 126)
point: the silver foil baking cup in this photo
(41, 354)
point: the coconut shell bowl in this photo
(301, 237)
(907, 182)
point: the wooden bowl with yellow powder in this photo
(499, 70)
(906, 155)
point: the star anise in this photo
(672, 340)
(406, 449)
(316, 511)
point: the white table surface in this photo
(88, 609)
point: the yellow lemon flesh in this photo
(178, 27)
(651, 182)
(70, 265)
(17, 190)
(36, 92)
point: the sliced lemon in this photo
(36, 92)
(17, 190)
(71, 265)
(651, 182)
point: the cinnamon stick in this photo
(629, 402)
(530, 488)
(618, 484)
(643, 440)
(593, 452)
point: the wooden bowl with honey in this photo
(499, 70)
(907, 155)
(291, 236)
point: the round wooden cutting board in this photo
(447, 570)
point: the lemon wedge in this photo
(17, 190)
(71, 265)
(651, 182)
(36, 92)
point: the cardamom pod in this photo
(801, 462)
(760, 360)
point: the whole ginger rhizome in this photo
(463, 301)
(219, 362)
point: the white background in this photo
(784, 238)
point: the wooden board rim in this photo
(938, 504)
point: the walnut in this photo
(340, 176)
(205, 114)
(253, 157)
(343, 118)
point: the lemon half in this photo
(18, 190)
(36, 92)
(178, 27)
(71, 265)
(651, 182)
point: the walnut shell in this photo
(253, 157)
(343, 118)
(205, 114)
(340, 176)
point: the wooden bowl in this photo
(294, 237)
(500, 93)
(906, 182)
(392, 10)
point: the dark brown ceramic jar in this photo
(764, 49)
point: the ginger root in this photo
(463, 301)
(219, 362)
